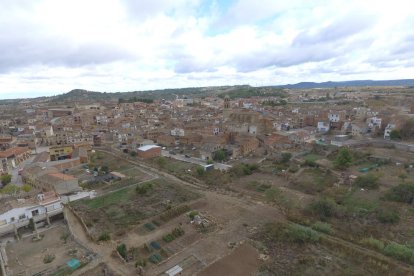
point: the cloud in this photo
(54, 45)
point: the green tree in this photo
(6, 179)
(286, 156)
(343, 159)
(105, 169)
(10, 189)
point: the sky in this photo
(49, 47)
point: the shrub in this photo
(323, 208)
(48, 258)
(322, 227)
(373, 243)
(400, 252)
(122, 250)
(286, 156)
(142, 263)
(192, 214)
(368, 181)
(104, 237)
(401, 193)
(155, 245)
(343, 159)
(6, 179)
(388, 215)
(200, 171)
(301, 234)
(168, 238)
(174, 212)
(64, 237)
(142, 189)
(26, 188)
(155, 258)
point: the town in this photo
(226, 180)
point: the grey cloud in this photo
(25, 49)
(340, 29)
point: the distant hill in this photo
(355, 83)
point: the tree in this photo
(105, 169)
(10, 189)
(343, 159)
(6, 179)
(286, 157)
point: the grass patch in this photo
(291, 233)
(400, 252)
(258, 187)
(322, 227)
(401, 193)
(109, 199)
(373, 243)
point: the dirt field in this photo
(27, 256)
(242, 261)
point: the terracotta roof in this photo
(12, 152)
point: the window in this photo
(12, 219)
(22, 216)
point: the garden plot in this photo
(117, 212)
(47, 256)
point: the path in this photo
(104, 250)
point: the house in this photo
(12, 157)
(60, 152)
(18, 214)
(50, 179)
(323, 127)
(177, 132)
(149, 151)
(387, 131)
(359, 129)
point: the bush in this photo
(142, 263)
(401, 193)
(142, 189)
(323, 208)
(26, 188)
(243, 169)
(174, 212)
(5, 179)
(343, 159)
(322, 227)
(104, 237)
(48, 258)
(286, 156)
(155, 245)
(368, 181)
(192, 214)
(64, 237)
(301, 234)
(400, 252)
(122, 250)
(388, 215)
(155, 258)
(373, 243)
(200, 171)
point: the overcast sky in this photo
(49, 47)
